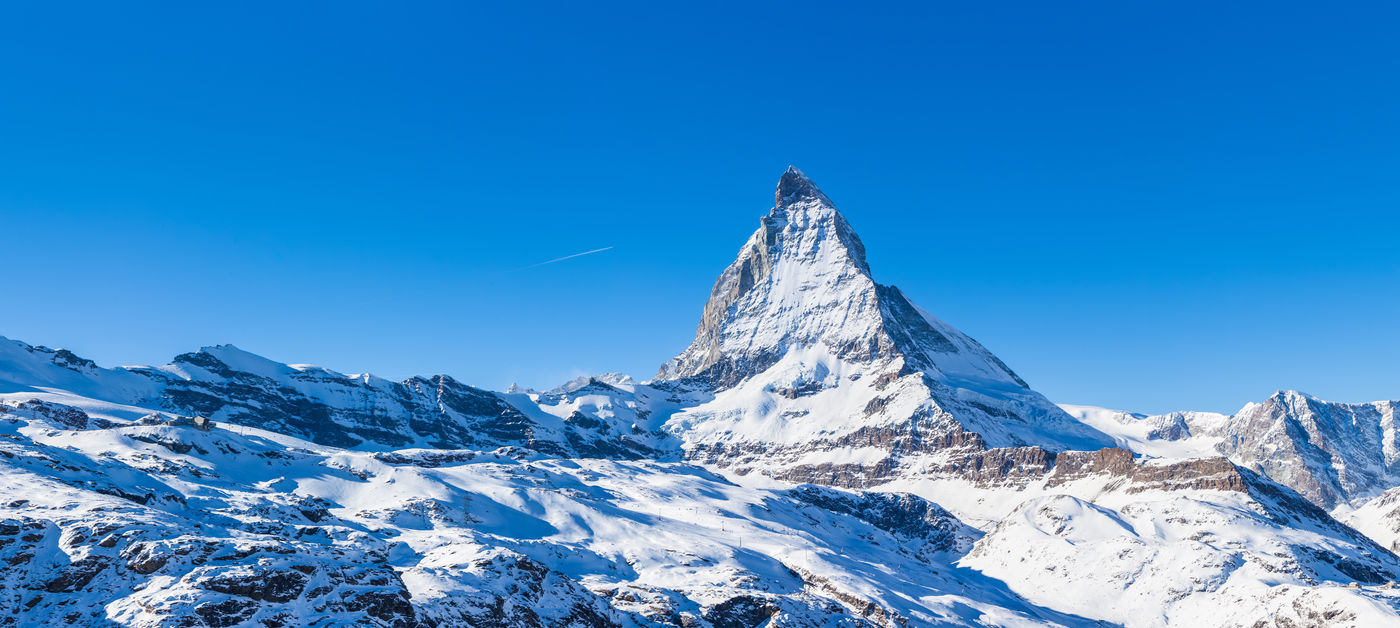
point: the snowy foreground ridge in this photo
(825, 453)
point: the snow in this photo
(757, 410)
(1339, 455)
(639, 539)
(1132, 432)
(353, 500)
(1377, 518)
(680, 534)
(797, 337)
(1177, 561)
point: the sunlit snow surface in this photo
(460, 536)
(638, 543)
(319, 498)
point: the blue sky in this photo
(1150, 206)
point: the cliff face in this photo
(1332, 453)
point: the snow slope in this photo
(158, 522)
(1158, 436)
(161, 524)
(825, 453)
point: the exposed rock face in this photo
(1332, 453)
(107, 557)
(1018, 467)
(333, 409)
(59, 415)
(508, 589)
(1173, 426)
(899, 513)
(1216, 474)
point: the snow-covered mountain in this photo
(825, 453)
(162, 523)
(1330, 452)
(1338, 455)
(821, 374)
(1343, 457)
(225, 383)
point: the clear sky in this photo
(1142, 205)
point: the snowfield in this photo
(825, 453)
(154, 524)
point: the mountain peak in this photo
(798, 312)
(226, 359)
(795, 187)
(801, 281)
(1290, 397)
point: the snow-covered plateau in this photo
(825, 453)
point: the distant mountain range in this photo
(825, 453)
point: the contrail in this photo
(560, 259)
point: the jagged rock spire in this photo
(802, 280)
(794, 186)
(798, 312)
(757, 310)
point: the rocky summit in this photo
(824, 453)
(818, 373)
